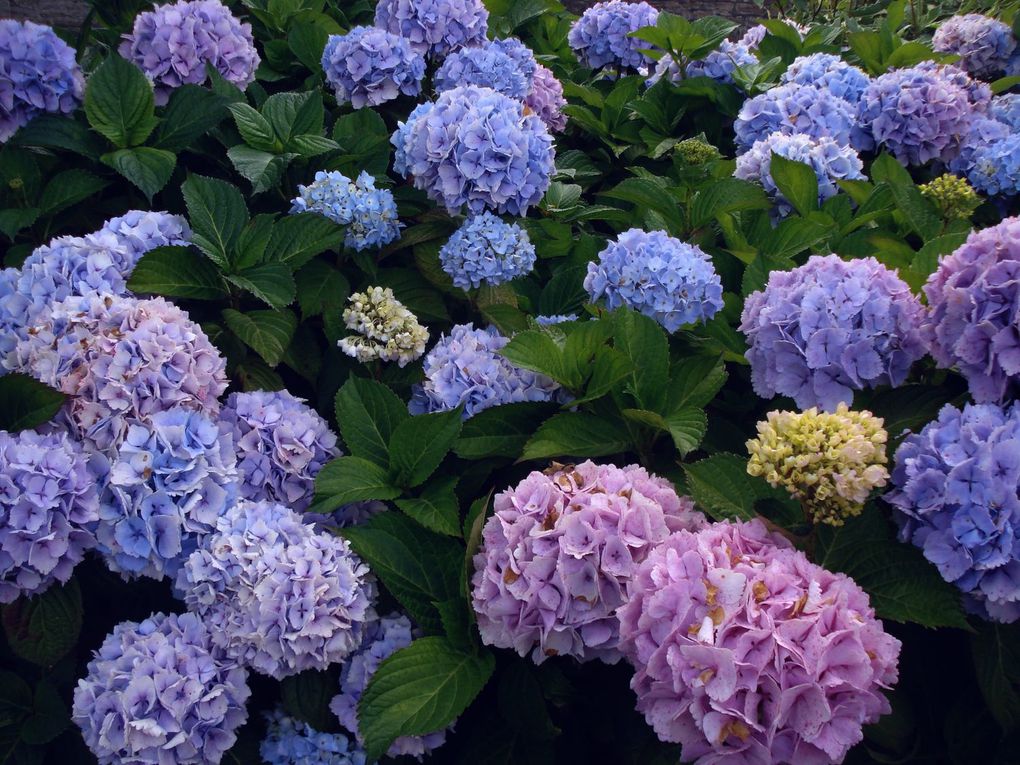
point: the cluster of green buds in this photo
(385, 329)
(954, 197)
(694, 151)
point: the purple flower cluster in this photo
(972, 324)
(559, 550)
(745, 651)
(671, 281)
(487, 250)
(828, 72)
(382, 639)
(281, 443)
(794, 109)
(139, 231)
(289, 741)
(546, 99)
(478, 148)
(48, 504)
(465, 369)
(159, 691)
(506, 66)
(435, 27)
(830, 327)
(370, 214)
(983, 44)
(978, 93)
(38, 74)
(370, 66)
(278, 596)
(601, 37)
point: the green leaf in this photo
(311, 145)
(368, 412)
(68, 188)
(609, 368)
(420, 443)
(354, 132)
(725, 196)
(49, 716)
(147, 168)
(15, 219)
(418, 690)
(60, 132)
(272, 283)
(42, 629)
(721, 486)
(919, 212)
(687, 426)
(694, 381)
(27, 402)
(217, 214)
(268, 333)
(995, 649)
(437, 508)
(306, 696)
(255, 129)
(579, 435)
(298, 238)
(797, 182)
(501, 431)
(293, 114)
(644, 342)
(119, 102)
(350, 479)
(251, 244)
(262, 169)
(307, 41)
(191, 112)
(176, 272)
(537, 351)
(320, 287)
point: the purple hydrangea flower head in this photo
(972, 324)
(290, 741)
(370, 214)
(1006, 108)
(139, 231)
(794, 109)
(282, 444)
(171, 478)
(174, 42)
(401, 138)
(465, 368)
(485, 250)
(671, 281)
(435, 27)
(601, 37)
(830, 161)
(752, 37)
(546, 99)
(478, 148)
(957, 496)
(830, 327)
(983, 44)
(506, 66)
(828, 72)
(557, 554)
(552, 319)
(277, 595)
(48, 504)
(745, 651)
(719, 65)
(38, 73)
(159, 691)
(978, 93)
(369, 66)
(382, 639)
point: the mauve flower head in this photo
(718, 65)
(744, 651)
(485, 250)
(983, 44)
(171, 478)
(957, 496)
(370, 214)
(830, 327)
(435, 27)
(506, 66)
(478, 148)
(281, 444)
(794, 109)
(1005, 107)
(546, 99)
(830, 161)
(671, 281)
(557, 554)
(752, 37)
(382, 639)
(972, 322)
(159, 691)
(828, 72)
(601, 37)
(290, 741)
(48, 505)
(278, 596)
(173, 43)
(465, 369)
(38, 73)
(369, 66)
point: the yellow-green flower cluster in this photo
(694, 151)
(829, 461)
(954, 197)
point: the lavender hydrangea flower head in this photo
(828, 72)
(830, 161)
(139, 231)
(48, 504)
(170, 480)
(173, 43)
(478, 148)
(559, 318)
(278, 596)
(745, 651)
(281, 443)
(384, 328)
(830, 327)
(978, 93)
(290, 741)
(557, 554)
(382, 639)
(981, 133)
(671, 281)
(972, 322)
(546, 99)
(506, 66)
(752, 37)
(1006, 108)
(957, 496)
(402, 136)
(160, 691)
(996, 168)
(370, 214)
(794, 109)
(465, 369)
(718, 65)
(369, 66)
(38, 73)
(485, 250)
(983, 44)
(435, 27)
(601, 37)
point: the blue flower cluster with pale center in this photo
(486, 250)
(370, 214)
(290, 741)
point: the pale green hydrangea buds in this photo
(954, 197)
(385, 329)
(694, 151)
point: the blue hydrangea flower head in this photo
(465, 368)
(982, 132)
(978, 93)
(830, 327)
(435, 27)
(996, 170)
(369, 66)
(290, 741)
(502, 65)
(983, 44)
(160, 691)
(485, 250)
(139, 231)
(370, 214)
(477, 148)
(1006, 108)
(828, 72)
(352, 514)
(601, 37)
(38, 73)
(553, 319)
(281, 443)
(671, 281)
(401, 138)
(957, 497)
(794, 109)
(546, 99)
